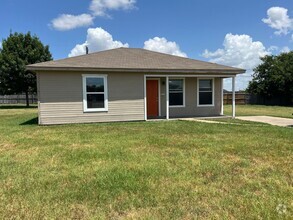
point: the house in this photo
(127, 84)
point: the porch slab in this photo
(202, 120)
(198, 119)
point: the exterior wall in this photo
(191, 108)
(61, 98)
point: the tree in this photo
(273, 78)
(19, 50)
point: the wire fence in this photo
(18, 99)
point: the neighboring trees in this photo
(273, 78)
(19, 50)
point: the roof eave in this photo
(146, 70)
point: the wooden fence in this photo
(18, 99)
(240, 98)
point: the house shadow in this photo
(33, 121)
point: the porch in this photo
(181, 96)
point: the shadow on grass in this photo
(33, 121)
(17, 106)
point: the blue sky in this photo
(194, 28)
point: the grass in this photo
(249, 110)
(143, 170)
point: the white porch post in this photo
(222, 96)
(167, 97)
(233, 96)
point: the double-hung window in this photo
(176, 92)
(95, 97)
(205, 91)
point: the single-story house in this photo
(127, 84)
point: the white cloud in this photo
(67, 22)
(100, 7)
(285, 50)
(279, 19)
(239, 51)
(97, 40)
(273, 48)
(164, 46)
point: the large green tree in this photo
(273, 78)
(17, 51)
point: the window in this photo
(205, 92)
(95, 97)
(176, 92)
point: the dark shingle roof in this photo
(133, 59)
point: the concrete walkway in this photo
(283, 122)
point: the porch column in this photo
(222, 96)
(167, 97)
(233, 97)
(145, 101)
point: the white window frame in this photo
(213, 93)
(85, 108)
(177, 106)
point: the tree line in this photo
(273, 78)
(17, 51)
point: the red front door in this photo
(152, 98)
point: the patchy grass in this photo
(143, 170)
(249, 110)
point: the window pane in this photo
(205, 98)
(176, 85)
(95, 101)
(94, 84)
(205, 85)
(175, 99)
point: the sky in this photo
(230, 32)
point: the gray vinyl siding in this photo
(61, 98)
(191, 108)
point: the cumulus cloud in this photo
(100, 7)
(239, 51)
(67, 22)
(97, 40)
(164, 46)
(279, 19)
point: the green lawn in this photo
(249, 110)
(143, 170)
